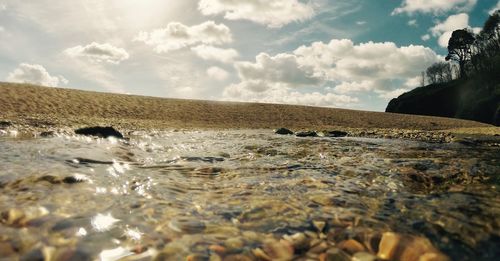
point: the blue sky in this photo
(336, 53)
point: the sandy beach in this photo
(42, 107)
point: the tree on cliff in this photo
(439, 72)
(460, 48)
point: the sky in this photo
(355, 54)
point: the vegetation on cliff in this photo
(468, 87)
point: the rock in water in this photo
(307, 134)
(103, 132)
(283, 131)
(336, 133)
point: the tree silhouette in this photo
(460, 48)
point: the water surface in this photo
(216, 194)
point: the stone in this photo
(307, 134)
(319, 225)
(34, 255)
(197, 257)
(351, 246)
(407, 248)
(238, 257)
(363, 256)
(278, 250)
(335, 254)
(102, 132)
(298, 240)
(283, 131)
(335, 134)
(47, 134)
(234, 244)
(184, 225)
(5, 124)
(388, 245)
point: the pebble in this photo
(351, 246)
(407, 248)
(363, 256)
(278, 250)
(299, 240)
(190, 226)
(335, 254)
(234, 244)
(238, 257)
(319, 225)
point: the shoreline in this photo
(33, 109)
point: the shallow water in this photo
(221, 194)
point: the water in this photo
(225, 194)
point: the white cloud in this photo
(208, 52)
(496, 7)
(361, 22)
(284, 95)
(434, 6)
(35, 74)
(217, 73)
(393, 94)
(413, 23)
(341, 60)
(350, 87)
(99, 53)
(2, 29)
(274, 14)
(177, 36)
(380, 68)
(426, 37)
(282, 68)
(443, 30)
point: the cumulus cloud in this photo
(97, 52)
(393, 94)
(208, 52)
(177, 36)
(35, 74)
(443, 30)
(380, 68)
(496, 7)
(217, 73)
(434, 6)
(342, 60)
(274, 14)
(283, 69)
(284, 95)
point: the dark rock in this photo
(75, 255)
(75, 179)
(34, 255)
(335, 133)
(51, 179)
(103, 132)
(307, 134)
(283, 131)
(47, 134)
(5, 124)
